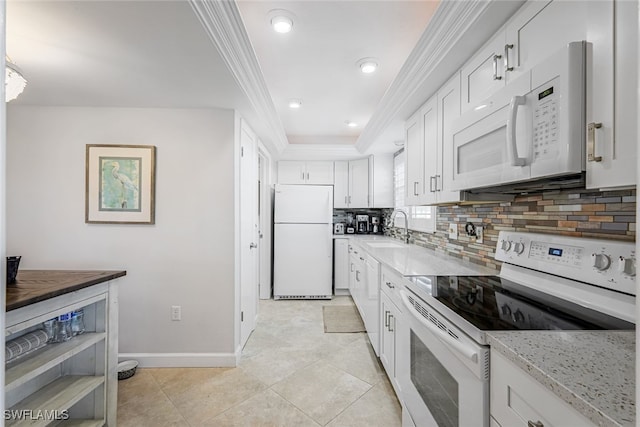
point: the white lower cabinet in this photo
(364, 286)
(517, 399)
(341, 266)
(390, 319)
(75, 379)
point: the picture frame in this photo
(120, 184)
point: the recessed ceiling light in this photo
(295, 103)
(368, 65)
(351, 124)
(281, 20)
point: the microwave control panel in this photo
(545, 121)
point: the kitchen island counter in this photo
(38, 285)
(414, 260)
(593, 371)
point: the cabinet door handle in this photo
(386, 319)
(506, 57)
(591, 142)
(357, 275)
(302, 176)
(391, 317)
(349, 199)
(361, 259)
(345, 200)
(389, 285)
(415, 188)
(534, 424)
(438, 187)
(352, 267)
(431, 179)
(495, 67)
(307, 176)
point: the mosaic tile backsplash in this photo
(582, 213)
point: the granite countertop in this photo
(414, 260)
(593, 371)
(38, 285)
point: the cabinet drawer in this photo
(517, 399)
(391, 285)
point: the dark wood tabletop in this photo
(38, 285)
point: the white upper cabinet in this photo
(448, 112)
(429, 145)
(351, 184)
(305, 172)
(359, 183)
(341, 184)
(483, 74)
(612, 109)
(539, 29)
(414, 169)
(319, 173)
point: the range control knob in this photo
(518, 248)
(627, 266)
(601, 262)
(505, 245)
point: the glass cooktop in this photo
(492, 303)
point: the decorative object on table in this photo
(12, 269)
(342, 319)
(27, 343)
(126, 369)
(120, 184)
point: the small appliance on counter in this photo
(374, 227)
(362, 223)
(338, 228)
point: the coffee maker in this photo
(362, 223)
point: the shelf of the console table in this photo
(60, 395)
(46, 358)
(81, 423)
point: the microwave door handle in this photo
(445, 338)
(512, 146)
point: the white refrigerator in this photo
(303, 251)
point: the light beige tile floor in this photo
(291, 374)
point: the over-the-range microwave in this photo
(532, 130)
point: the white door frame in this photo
(265, 244)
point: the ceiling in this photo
(221, 54)
(317, 61)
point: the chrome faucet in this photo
(406, 223)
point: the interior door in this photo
(248, 233)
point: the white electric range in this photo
(546, 282)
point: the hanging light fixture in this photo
(14, 81)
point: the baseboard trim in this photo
(183, 360)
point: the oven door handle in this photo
(445, 338)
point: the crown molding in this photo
(450, 22)
(223, 23)
(319, 152)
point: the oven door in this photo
(443, 374)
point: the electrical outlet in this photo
(479, 234)
(176, 312)
(453, 231)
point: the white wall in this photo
(185, 259)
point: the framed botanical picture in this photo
(120, 184)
